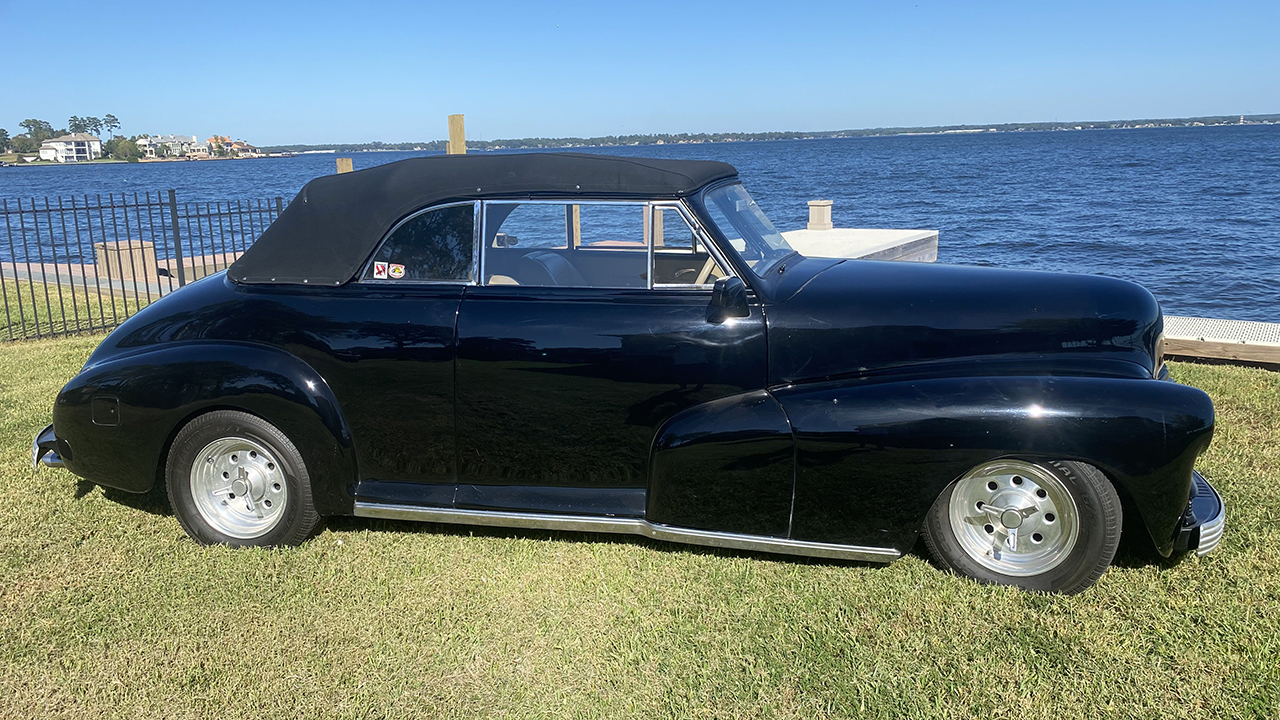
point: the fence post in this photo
(177, 238)
(279, 205)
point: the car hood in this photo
(858, 317)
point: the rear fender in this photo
(873, 456)
(115, 420)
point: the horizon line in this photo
(886, 130)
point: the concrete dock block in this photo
(820, 215)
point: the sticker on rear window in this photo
(396, 271)
(380, 270)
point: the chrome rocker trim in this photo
(627, 526)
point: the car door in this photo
(390, 355)
(571, 356)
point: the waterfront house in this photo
(240, 148)
(76, 147)
(174, 145)
(232, 148)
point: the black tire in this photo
(295, 519)
(1100, 522)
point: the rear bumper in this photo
(1204, 520)
(44, 450)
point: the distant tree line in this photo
(668, 139)
(122, 148)
(37, 131)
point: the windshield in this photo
(746, 227)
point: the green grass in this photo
(107, 610)
(41, 309)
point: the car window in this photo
(610, 226)
(528, 225)
(746, 227)
(434, 245)
(547, 244)
(670, 231)
(679, 258)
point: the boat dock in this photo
(1229, 340)
(820, 238)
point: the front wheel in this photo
(1049, 526)
(235, 479)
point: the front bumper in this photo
(44, 450)
(1204, 520)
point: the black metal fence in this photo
(70, 265)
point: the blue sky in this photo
(274, 73)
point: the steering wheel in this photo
(707, 268)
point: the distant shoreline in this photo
(570, 143)
(111, 161)
(705, 138)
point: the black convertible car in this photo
(604, 344)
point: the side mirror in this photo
(728, 299)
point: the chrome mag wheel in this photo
(238, 487)
(1014, 517)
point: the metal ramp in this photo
(1245, 340)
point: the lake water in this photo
(1191, 213)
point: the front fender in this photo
(114, 421)
(873, 456)
(725, 465)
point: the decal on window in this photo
(380, 271)
(395, 271)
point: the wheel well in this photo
(1126, 500)
(1135, 529)
(158, 478)
(1134, 532)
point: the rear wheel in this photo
(1048, 526)
(235, 479)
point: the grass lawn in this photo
(36, 308)
(107, 610)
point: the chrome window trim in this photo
(700, 234)
(477, 219)
(553, 200)
(475, 243)
(627, 526)
(648, 243)
(481, 228)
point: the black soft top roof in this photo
(334, 223)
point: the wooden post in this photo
(344, 165)
(573, 219)
(457, 136)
